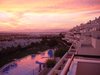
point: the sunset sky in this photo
(42, 15)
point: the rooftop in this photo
(84, 67)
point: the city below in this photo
(74, 52)
(49, 37)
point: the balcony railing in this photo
(61, 68)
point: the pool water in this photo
(25, 66)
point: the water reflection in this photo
(25, 66)
(9, 67)
(42, 54)
(33, 56)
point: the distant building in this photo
(85, 58)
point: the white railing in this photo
(55, 70)
(67, 66)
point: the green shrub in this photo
(50, 63)
(60, 53)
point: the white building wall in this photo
(95, 39)
(96, 43)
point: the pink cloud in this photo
(48, 14)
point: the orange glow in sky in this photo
(42, 15)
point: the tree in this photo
(60, 53)
(50, 63)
